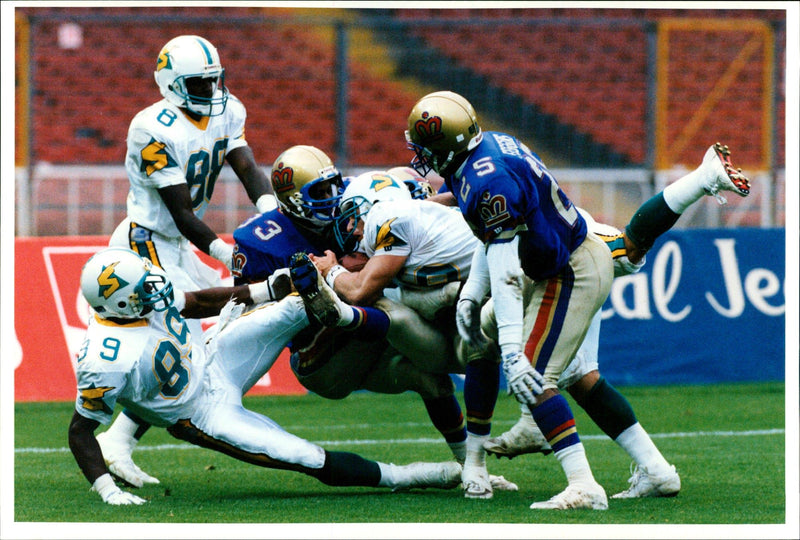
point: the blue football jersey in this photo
(266, 243)
(504, 189)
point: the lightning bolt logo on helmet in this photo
(110, 282)
(164, 60)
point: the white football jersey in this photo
(436, 239)
(150, 366)
(167, 147)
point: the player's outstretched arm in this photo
(89, 457)
(209, 302)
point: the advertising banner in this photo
(707, 307)
(50, 319)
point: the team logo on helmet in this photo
(429, 128)
(109, 281)
(164, 61)
(282, 178)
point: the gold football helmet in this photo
(416, 184)
(442, 127)
(307, 184)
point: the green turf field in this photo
(727, 442)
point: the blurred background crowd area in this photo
(617, 101)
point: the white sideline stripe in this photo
(366, 442)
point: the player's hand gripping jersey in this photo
(503, 188)
(167, 147)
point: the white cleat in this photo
(591, 496)
(524, 437)
(118, 458)
(320, 300)
(475, 482)
(421, 474)
(643, 484)
(499, 483)
(721, 174)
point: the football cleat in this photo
(576, 495)
(320, 300)
(421, 474)
(501, 484)
(475, 482)
(721, 174)
(643, 484)
(524, 437)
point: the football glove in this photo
(523, 381)
(111, 494)
(468, 321)
(222, 251)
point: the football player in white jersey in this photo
(176, 148)
(139, 352)
(419, 254)
(652, 475)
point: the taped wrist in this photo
(259, 292)
(333, 273)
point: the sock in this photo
(651, 220)
(143, 426)
(608, 409)
(554, 418)
(638, 444)
(575, 465)
(369, 322)
(684, 192)
(476, 455)
(459, 449)
(348, 469)
(446, 416)
(124, 429)
(481, 384)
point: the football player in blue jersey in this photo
(546, 274)
(652, 475)
(176, 148)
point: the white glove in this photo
(523, 381)
(468, 321)
(276, 287)
(111, 494)
(222, 251)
